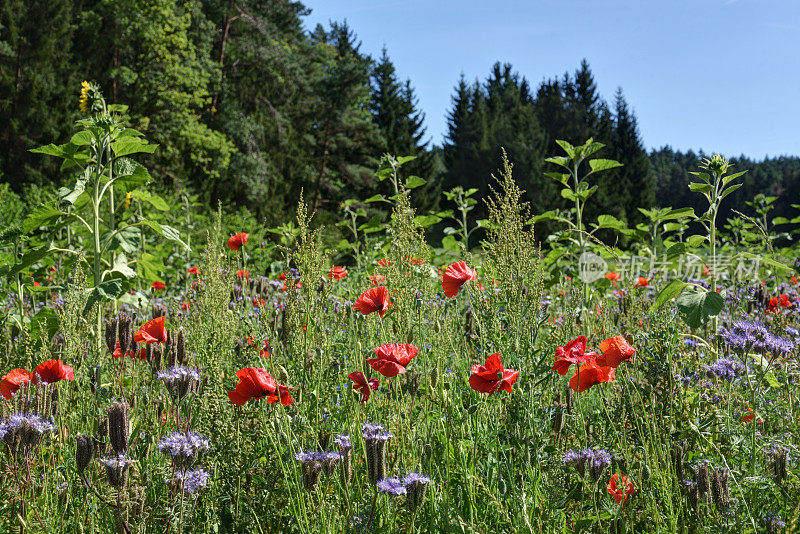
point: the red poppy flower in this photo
(158, 285)
(620, 487)
(36, 284)
(615, 351)
(193, 270)
(612, 276)
(337, 273)
(794, 280)
(384, 263)
(256, 383)
(53, 371)
(258, 302)
(572, 352)
(265, 352)
(243, 273)
(590, 373)
(706, 272)
(298, 285)
(376, 279)
(185, 305)
(375, 299)
(238, 241)
(117, 354)
(392, 358)
(281, 395)
(282, 276)
(197, 283)
(784, 301)
(455, 276)
(153, 331)
(362, 384)
(642, 282)
(11, 382)
(491, 377)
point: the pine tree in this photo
(38, 86)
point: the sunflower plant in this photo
(95, 207)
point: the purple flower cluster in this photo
(724, 368)
(184, 447)
(343, 441)
(375, 431)
(178, 373)
(192, 481)
(392, 486)
(745, 336)
(119, 461)
(322, 458)
(594, 459)
(26, 423)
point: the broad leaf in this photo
(672, 290)
(107, 290)
(698, 307)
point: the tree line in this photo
(250, 108)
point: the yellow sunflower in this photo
(83, 102)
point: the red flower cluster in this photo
(492, 376)
(48, 372)
(392, 358)
(158, 285)
(776, 303)
(257, 383)
(243, 273)
(193, 270)
(375, 299)
(363, 385)
(337, 273)
(642, 282)
(238, 241)
(455, 276)
(376, 279)
(620, 487)
(153, 331)
(592, 368)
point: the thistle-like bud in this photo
(111, 334)
(116, 469)
(118, 430)
(693, 496)
(433, 378)
(346, 453)
(719, 487)
(180, 348)
(124, 327)
(702, 479)
(558, 420)
(416, 487)
(570, 400)
(677, 460)
(84, 451)
(375, 438)
(777, 457)
(159, 310)
(412, 382)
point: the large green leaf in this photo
(154, 200)
(46, 215)
(130, 174)
(121, 267)
(107, 290)
(697, 307)
(150, 267)
(44, 325)
(132, 145)
(600, 165)
(670, 291)
(30, 258)
(414, 181)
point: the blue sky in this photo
(721, 75)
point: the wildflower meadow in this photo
(167, 368)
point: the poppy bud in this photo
(118, 431)
(433, 378)
(111, 334)
(677, 461)
(558, 420)
(410, 337)
(358, 346)
(83, 452)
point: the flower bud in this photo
(118, 429)
(83, 452)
